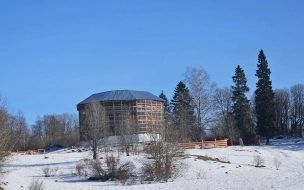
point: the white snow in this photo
(240, 174)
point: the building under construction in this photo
(145, 109)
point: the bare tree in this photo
(201, 89)
(53, 128)
(224, 122)
(5, 132)
(95, 125)
(71, 129)
(297, 109)
(282, 107)
(127, 130)
(37, 134)
(20, 131)
(62, 129)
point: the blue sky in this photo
(54, 54)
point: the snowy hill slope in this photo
(240, 173)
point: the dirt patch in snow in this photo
(207, 158)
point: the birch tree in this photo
(201, 90)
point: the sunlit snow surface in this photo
(240, 174)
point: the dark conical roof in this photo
(121, 95)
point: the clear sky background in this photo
(54, 54)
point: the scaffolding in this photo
(147, 114)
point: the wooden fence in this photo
(204, 144)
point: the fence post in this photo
(202, 144)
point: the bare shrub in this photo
(46, 171)
(124, 172)
(98, 171)
(108, 169)
(80, 168)
(49, 172)
(258, 160)
(178, 170)
(163, 171)
(3, 159)
(122, 177)
(166, 163)
(277, 163)
(111, 163)
(200, 174)
(142, 179)
(54, 171)
(148, 170)
(36, 185)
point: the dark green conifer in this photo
(241, 106)
(183, 113)
(264, 99)
(167, 109)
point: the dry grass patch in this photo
(207, 158)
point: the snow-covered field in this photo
(239, 174)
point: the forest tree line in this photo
(16, 135)
(198, 110)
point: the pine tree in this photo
(183, 113)
(241, 106)
(264, 99)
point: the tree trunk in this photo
(127, 150)
(267, 141)
(94, 154)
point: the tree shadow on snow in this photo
(92, 183)
(287, 144)
(41, 164)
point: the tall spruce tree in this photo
(264, 99)
(241, 106)
(183, 113)
(167, 118)
(167, 109)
